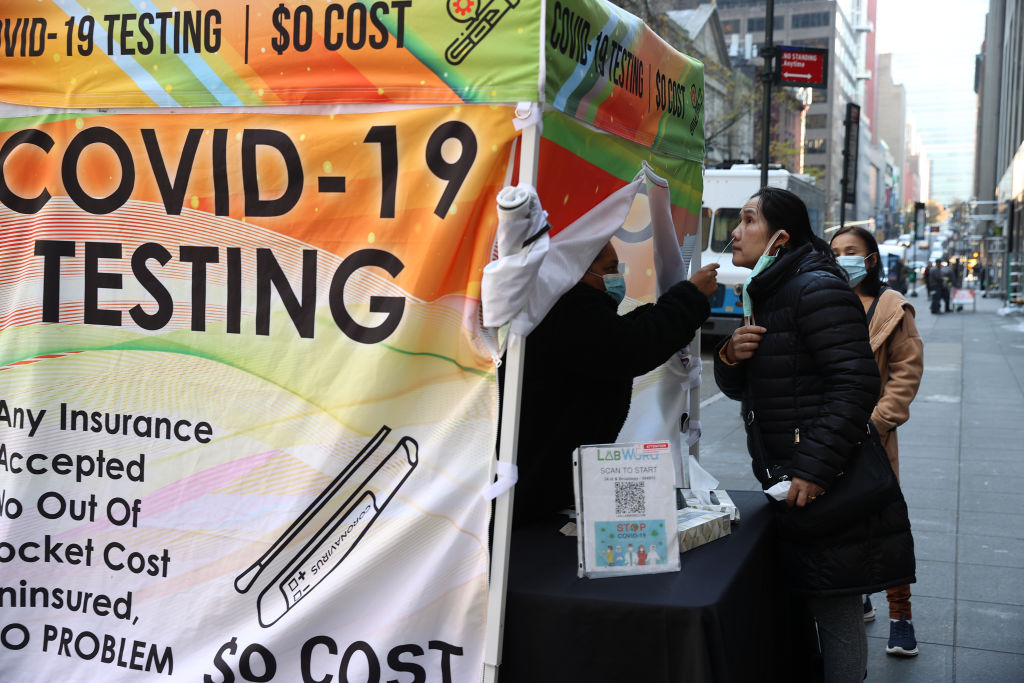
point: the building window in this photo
(756, 24)
(817, 120)
(725, 221)
(705, 227)
(819, 95)
(821, 43)
(814, 145)
(810, 20)
(731, 26)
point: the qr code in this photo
(630, 498)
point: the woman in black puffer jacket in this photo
(803, 364)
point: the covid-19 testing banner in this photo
(247, 409)
(244, 418)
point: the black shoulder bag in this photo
(866, 485)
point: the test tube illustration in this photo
(477, 29)
(351, 517)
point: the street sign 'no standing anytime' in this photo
(801, 66)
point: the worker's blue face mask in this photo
(761, 265)
(854, 267)
(614, 286)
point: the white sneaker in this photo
(869, 610)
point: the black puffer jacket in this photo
(812, 384)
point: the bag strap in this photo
(753, 427)
(871, 311)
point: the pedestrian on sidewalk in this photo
(935, 286)
(803, 366)
(899, 354)
(947, 285)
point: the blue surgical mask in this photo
(762, 264)
(615, 286)
(854, 267)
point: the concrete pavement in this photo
(962, 472)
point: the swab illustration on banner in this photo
(337, 538)
(334, 523)
(481, 22)
(244, 581)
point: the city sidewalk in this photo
(962, 471)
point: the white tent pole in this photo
(695, 409)
(511, 395)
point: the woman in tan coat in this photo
(899, 354)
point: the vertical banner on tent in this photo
(245, 411)
(622, 99)
(607, 68)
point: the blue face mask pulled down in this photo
(854, 267)
(761, 265)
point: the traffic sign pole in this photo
(766, 74)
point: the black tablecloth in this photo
(722, 617)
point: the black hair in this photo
(872, 282)
(784, 210)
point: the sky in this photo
(934, 43)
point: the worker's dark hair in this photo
(785, 211)
(872, 282)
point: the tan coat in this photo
(899, 353)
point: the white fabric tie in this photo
(508, 475)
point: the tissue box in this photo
(689, 499)
(697, 527)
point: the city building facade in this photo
(999, 150)
(917, 168)
(827, 24)
(733, 90)
(891, 119)
(729, 94)
(807, 133)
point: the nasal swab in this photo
(721, 253)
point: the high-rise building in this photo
(877, 172)
(830, 24)
(988, 156)
(917, 167)
(999, 163)
(939, 73)
(891, 119)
